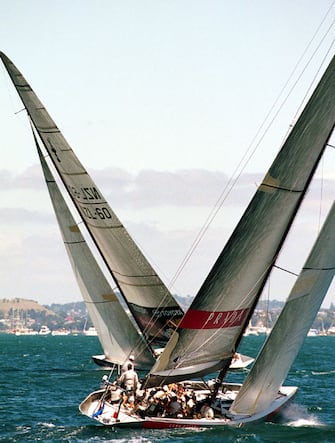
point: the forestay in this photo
(282, 346)
(207, 336)
(105, 310)
(148, 299)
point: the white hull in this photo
(241, 362)
(56, 332)
(90, 332)
(44, 330)
(26, 331)
(111, 414)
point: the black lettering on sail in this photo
(90, 193)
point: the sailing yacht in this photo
(154, 309)
(204, 340)
(152, 306)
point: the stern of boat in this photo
(96, 407)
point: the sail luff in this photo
(285, 340)
(149, 300)
(106, 312)
(209, 332)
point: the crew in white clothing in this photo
(129, 381)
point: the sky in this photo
(161, 101)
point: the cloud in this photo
(152, 188)
(162, 210)
(31, 178)
(20, 216)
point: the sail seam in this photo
(49, 131)
(87, 203)
(141, 285)
(73, 242)
(282, 189)
(136, 275)
(104, 227)
(74, 173)
(26, 87)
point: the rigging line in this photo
(317, 72)
(321, 194)
(267, 301)
(20, 110)
(231, 183)
(285, 270)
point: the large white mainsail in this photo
(149, 300)
(209, 332)
(105, 310)
(284, 342)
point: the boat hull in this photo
(112, 414)
(101, 361)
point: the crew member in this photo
(129, 382)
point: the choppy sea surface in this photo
(44, 378)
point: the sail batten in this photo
(120, 253)
(238, 277)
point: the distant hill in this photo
(7, 306)
(74, 315)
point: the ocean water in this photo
(43, 379)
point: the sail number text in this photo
(90, 194)
(85, 193)
(96, 213)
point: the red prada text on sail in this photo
(194, 319)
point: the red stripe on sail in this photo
(194, 319)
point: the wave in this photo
(297, 416)
(323, 372)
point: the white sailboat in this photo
(150, 302)
(44, 330)
(155, 310)
(206, 339)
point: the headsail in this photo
(208, 334)
(102, 304)
(149, 300)
(284, 342)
